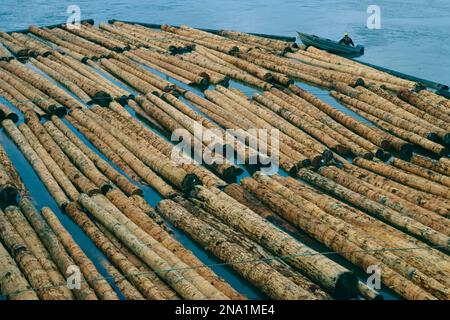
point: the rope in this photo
(221, 264)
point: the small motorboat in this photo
(330, 45)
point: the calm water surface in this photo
(414, 38)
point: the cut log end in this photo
(318, 161)
(8, 195)
(189, 181)
(346, 286)
(102, 98)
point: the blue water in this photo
(414, 38)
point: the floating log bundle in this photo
(95, 112)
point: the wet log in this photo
(28, 263)
(145, 286)
(407, 209)
(90, 272)
(259, 273)
(413, 227)
(7, 113)
(42, 84)
(403, 134)
(185, 288)
(18, 100)
(343, 238)
(294, 104)
(13, 284)
(238, 193)
(25, 230)
(45, 34)
(175, 69)
(5, 55)
(55, 249)
(122, 182)
(8, 190)
(330, 275)
(274, 44)
(401, 176)
(125, 287)
(410, 108)
(36, 96)
(76, 177)
(134, 81)
(50, 163)
(384, 233)
(414, 99)
(59, 77)
(371, 98)
(98, 50)
(19, 50)
(37, 47)
(144, 74)
(148, 221)
(148, 63)
(387, 117)
(166, 168)
(11, 171)
(234, 73)
(83, 69)
(85, 33)
(37, 164)
(105, 149)
(129, 125)
(423, 199)
(188, 271)
(86, 166)
(419, 171)
(430, 164)
(97, 94)
(375, 136)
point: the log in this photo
(10, 169)
(404, 178)
(36, 96)
(259, 273)
(86, 166)
(419, 171)
(186, 289)
(8, 191)
(90, 272)
(13, 284)
(55, 249)
(37, 164)
(346, 240)
(330, 275)
(28, 263)
(17, 99)
(75, 176)
(122, 182)
(51, 165)
(146, 221)
(105, 149)
(7, 113)
(405, 223)
(145, 286)
(125, 287)
(42, 84)
(430, 164)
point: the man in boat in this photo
(347, 40)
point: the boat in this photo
(330, 45)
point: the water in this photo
(414, 38)
(414, 35)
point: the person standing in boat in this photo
(347, 40)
